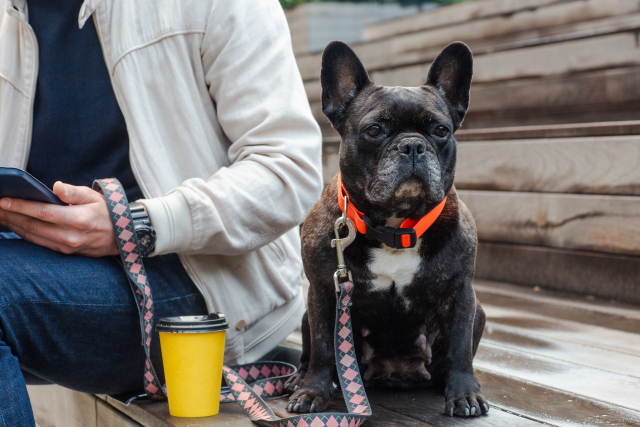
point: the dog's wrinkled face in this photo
(398, 153)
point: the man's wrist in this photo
(144, 230)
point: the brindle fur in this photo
(434, 322)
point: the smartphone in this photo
(19, 184)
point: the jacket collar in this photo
(87, 9)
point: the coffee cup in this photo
(192, 354)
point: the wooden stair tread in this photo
(607, 313)
(608, 387)
(499, 336)
(630, 127)
(553, 407)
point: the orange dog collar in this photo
(405, 236)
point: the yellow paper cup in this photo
(192, 354)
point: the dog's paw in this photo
(463, 397)
(310, 398)
(294, 382)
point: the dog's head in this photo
(398, 153)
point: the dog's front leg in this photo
(462, 391)
(315, 390)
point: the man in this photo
(197, 107)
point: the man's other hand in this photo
(83, 228)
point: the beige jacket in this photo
(223, 143)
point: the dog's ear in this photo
(342, 77)
(451, 74)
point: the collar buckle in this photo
(397, 238)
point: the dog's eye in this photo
(441, 131)
(373, 131)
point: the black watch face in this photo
(145, 239)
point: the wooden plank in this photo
(586, 309)
(56, 406)
(550, 406)
(609, 86)
(568, 221)
(427, 406)
(567, 331)
(591, 96)
(110, 417)
(605, 276)
(552, 115)
(156, 414)
(409, 408)
(489, 35)
(380, 416)
(605, 360)
(590, 165)
(450, 15)
(610, 51)
(615, 389)
(631, 127)
(563, 309)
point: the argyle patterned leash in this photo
(249, 398)
(132, 261)
(267, 378)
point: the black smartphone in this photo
(19, 184)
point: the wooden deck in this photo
(545, 359)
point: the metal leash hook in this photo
(341, 245)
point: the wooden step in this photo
(453, 14)
(611, 277)
(527, 158)
(607, 51)
(550, 406)
(608, 95)
(587, 165)
(596, 223)
(538, 26)
(587, 310)
(550, 131)
(587, 96)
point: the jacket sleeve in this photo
(275, 173)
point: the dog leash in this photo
(266, 378)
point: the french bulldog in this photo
(415, 317)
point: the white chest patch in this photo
(394, 266)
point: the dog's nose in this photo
(412, 147)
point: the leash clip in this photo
(341, 245)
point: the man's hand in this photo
(84, 228)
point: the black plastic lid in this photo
(214, 322)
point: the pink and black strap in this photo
(267, 378)
(249, 398)
(128, 246)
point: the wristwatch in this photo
(143, 228)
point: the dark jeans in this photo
(73, 321)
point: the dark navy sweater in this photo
(79, 133)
